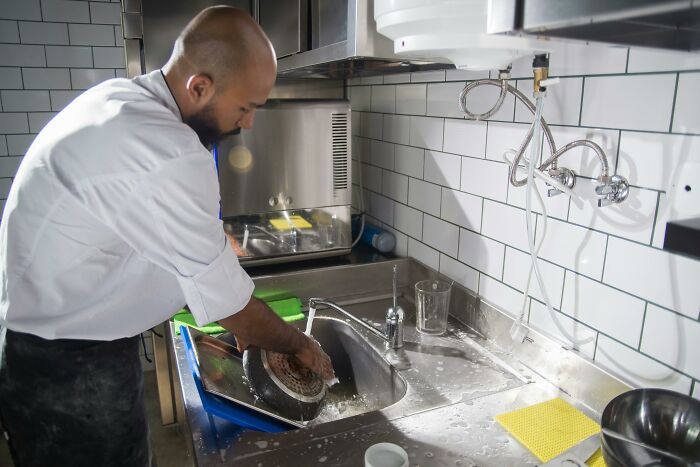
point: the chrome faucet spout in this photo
(315, 302)
(395, 317)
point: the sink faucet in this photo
(394, 319)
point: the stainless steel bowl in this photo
(662, 419)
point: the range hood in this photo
(666, 24)
(339, 40)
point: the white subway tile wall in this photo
(565, 97)
(46, 60)
(618, 298)
(627, 102)
(442, 168)
(565, 329)
(516, 270)
(441, 235)
(686, 117)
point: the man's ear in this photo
(200, 88)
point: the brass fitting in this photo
(540, 75)
(540, 68)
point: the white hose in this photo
(535, 149)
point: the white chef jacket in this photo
(112, 222)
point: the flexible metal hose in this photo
(552, 161)
(499, 102)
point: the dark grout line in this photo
(641, 331)
(583, 91)
(656, 219)
(673, 105)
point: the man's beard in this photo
(204, 125)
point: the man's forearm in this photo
(258, 325)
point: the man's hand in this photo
(256, 324)
(313, 357)
(241, 345)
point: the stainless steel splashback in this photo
(297, 156)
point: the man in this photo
(110, 227)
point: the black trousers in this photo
(73, 403)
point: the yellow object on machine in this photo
(294, 221)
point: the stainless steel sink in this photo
(367, 382)
(436, 396)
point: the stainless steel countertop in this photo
(464, 378)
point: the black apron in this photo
(74, 403)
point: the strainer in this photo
(283, 383)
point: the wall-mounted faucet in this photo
(612, 189)
(395, 317)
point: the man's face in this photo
(230, 108)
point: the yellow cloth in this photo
(296, 221)
(549, 428)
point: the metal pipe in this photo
(314, 302)
(499, 102)
(581, 142)
(552, 160)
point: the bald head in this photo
(222, 41)
(222, 68)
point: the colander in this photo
(283, 383)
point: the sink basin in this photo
(366, 381)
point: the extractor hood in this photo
(340, 41)
(666, 24)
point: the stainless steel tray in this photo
(221, 370)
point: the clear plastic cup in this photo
(432, 305)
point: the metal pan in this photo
(283, 383)
(221, 370)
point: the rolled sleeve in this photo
(220, 290)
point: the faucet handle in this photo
(394, 326)
(612, 190)
(565, 176)
(395, 314)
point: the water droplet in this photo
(261, 444)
